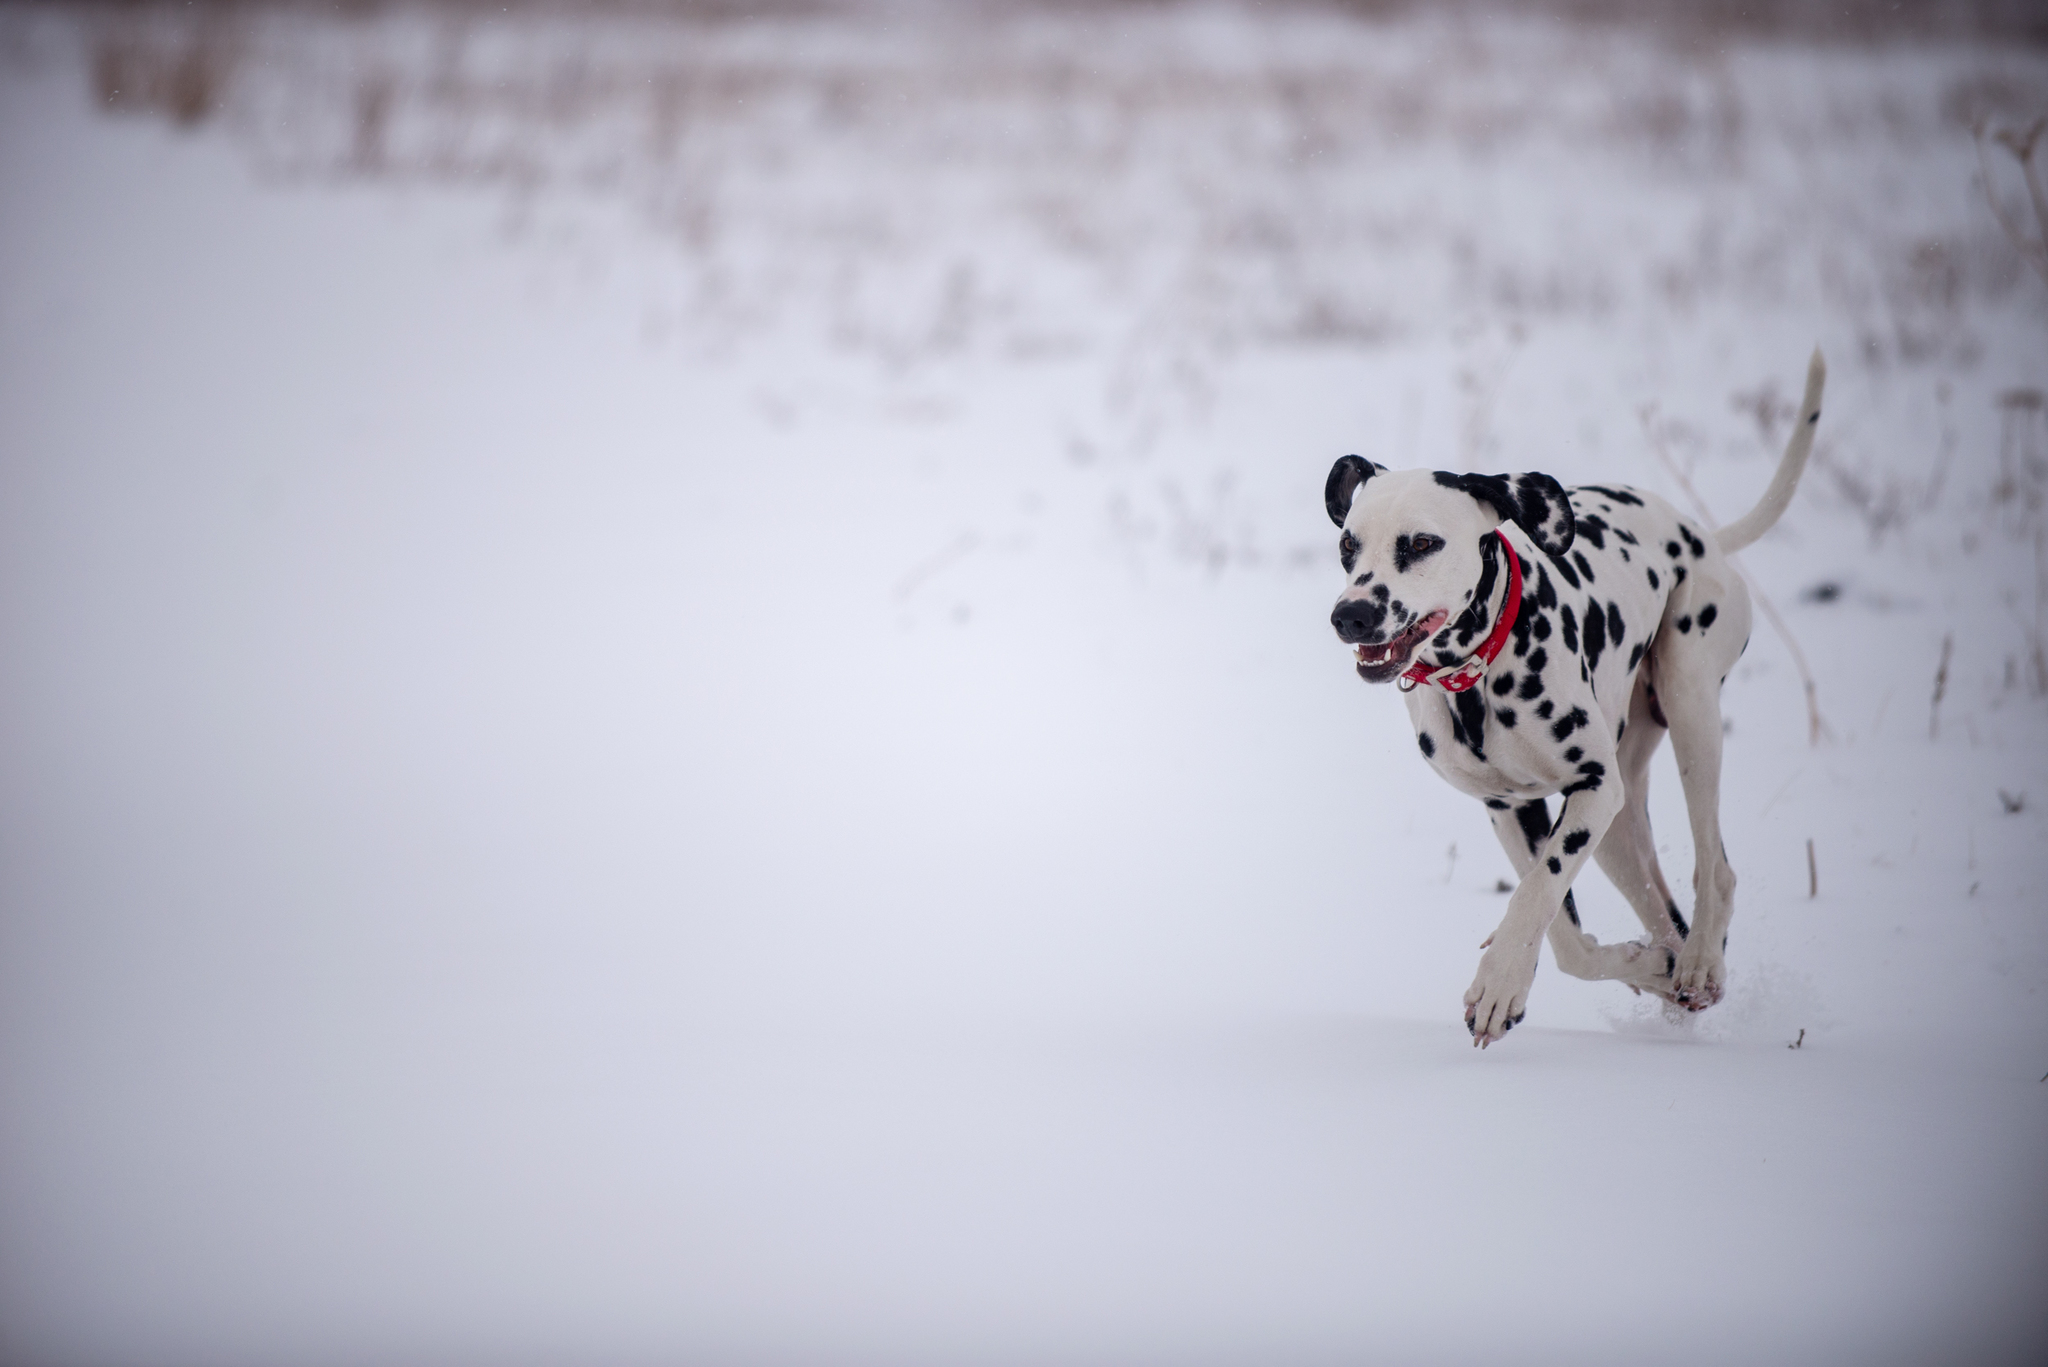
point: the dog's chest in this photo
(1513, 763)
(1558, 688)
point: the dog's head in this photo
(1414, 546)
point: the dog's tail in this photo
(1771, 507)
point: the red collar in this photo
(1459, 677)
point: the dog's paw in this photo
(1700, 974)
(1499, 995)
(1653, 968)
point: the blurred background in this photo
(665, 691)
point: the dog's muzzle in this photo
(1357, 620)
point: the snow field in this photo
(732, 753)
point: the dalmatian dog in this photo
(1546, 640)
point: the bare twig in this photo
(1948, 642)
(1812, 872)
(1802, 1040)
(959, 548)
(1946, 452)
(1815, 727)
(2021, 145)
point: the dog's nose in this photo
(1357, 619)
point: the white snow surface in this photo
(665, 692)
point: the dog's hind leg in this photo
(1690, 670)
(1521, 831)
(1628, 852)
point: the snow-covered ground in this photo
(665, 691)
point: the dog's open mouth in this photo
(1377, 664)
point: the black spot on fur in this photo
(1428, 746)
(1541, 629)
(1568, 723)
(1471, 710)
(1546, 595)
(1532, 682)
(1585, 569)
(1616, 628)
(1692, 543)
(1707, 616)
(1545, 708)
(1672, 549)
(1505, 684)
(1534, 819)
(1571, 628)
(1592, 529)
(1554, 865)
(1505, 716)
(1671, 908)
(1677, 575)
(1571, 908)
(1574, 755)
(1635, 657)
(1618, 495)
(1685, 623)
(1498, 804)
(1565, 570)
(1594, 771)
(1596, 634)
(1576, 841)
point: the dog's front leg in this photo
(1499, 994)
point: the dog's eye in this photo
(1409, 549)
(1347, 549)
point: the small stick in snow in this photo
(2015, 803)
(1948, 642)
(1802, 1040)
(1812, 872)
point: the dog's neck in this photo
(1454, 674)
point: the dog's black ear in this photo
(1535, 503)
(1342, 486)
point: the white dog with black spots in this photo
(1547, 639)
